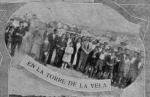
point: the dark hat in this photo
(105, 43)
(55, 30)
(20, 22)
(11, 19)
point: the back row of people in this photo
(97, 60)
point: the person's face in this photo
(97, 49)
(71, 44)
(63, 36)
(106, 50)
(139, 55)
(104, 45)
(113, 53)
(65, 27)
(101, 45)
(94, 42)
(11, 21)
(127, 51)
(86, 39)
(21, 24)
(90, 39)
(120, 50)
(79, 40)
(72, 36)
(109, 50)
(55, 32)
(68, 35)
(130, 56)
(135, 54)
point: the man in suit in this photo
(120, 61)
(8, 31)
(17, 36)
(87, 47)
(60, 49)
(52, 38)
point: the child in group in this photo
(67, 56)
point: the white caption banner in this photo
(71, 83)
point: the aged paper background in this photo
(136, 11)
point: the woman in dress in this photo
(37, 41)
(67, 56)
(27, 43)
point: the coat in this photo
(52, 40)
(61, 44)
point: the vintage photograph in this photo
(79, 40)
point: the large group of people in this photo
(14, 35)
(66, 47)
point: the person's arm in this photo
(91, 48)
(84, 50)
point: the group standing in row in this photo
(66, 47)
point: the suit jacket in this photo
(61, 44)
(52, 40)
(107, 59)
(121, 63)
(18, 32)
(15, 32)
(9, 27)
(22, 31)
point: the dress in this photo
(68, 54)
(37, 41)
(27, 43)
(69, 41)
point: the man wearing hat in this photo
(8, 31)
(116, 66)
(60, 50)
(120, 59)
(52, 38)
(17, 36)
